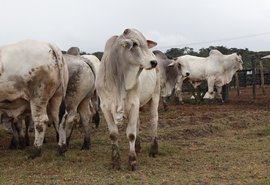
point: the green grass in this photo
(192, 150)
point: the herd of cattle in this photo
(39, 83)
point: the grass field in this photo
(198, 144)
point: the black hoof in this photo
(27, 141)
(22, 143)
(154, 149)
(116, 161)
(86, 144)
(62, 149)
(36, 152)
(132, 163)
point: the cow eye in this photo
(135, 44)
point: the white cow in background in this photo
(217, 69)
(94, 60)
(33, 76)
(169, 76)
(126, 80)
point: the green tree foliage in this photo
(98, 55)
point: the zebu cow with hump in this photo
(217, 69)
(80, 89)
(74, 51)
(127, 80)
(33, 76)
(168, 76)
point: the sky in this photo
(88, 24)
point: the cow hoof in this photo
(36, 152)
(22, 143)
(116, 166)
(86, 144)
(116, 161)
(133, 166)
(154, 149)
(27, 141)
(68, 140)
(85, 147)
(13, 144)
(132, 162)
(62, 149)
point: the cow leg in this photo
(94, 107)
(219, 96)
(131, 135)
(138, 140)
(40, 118)
(20, 124)
(65, 130)
(210, 83)
(113, 131)
(53, 111)
(85, 115)
(154, 124)
(26, 136)
(15, 137)
(178, 90)
(165, 103)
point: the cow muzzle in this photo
(153, 63)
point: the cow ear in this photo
(127, 43)
(151, 43)
(171, 64)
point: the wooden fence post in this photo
(262, 77)
(237, 83)
(253, 78)
(225, 92)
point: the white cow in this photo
(217, 69)
(168, 76)
(126, 80)
(94, 60)
(94, 103)
(80, 89)
(33, 76)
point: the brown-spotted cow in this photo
(33, 76)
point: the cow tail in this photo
(62, 68)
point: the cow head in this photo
(238, 63)
(135, 49)
(177, 64)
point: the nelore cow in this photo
(80, 89)
(33, 76)
(127, 80)
(168, 76)
(217, 69)
(94, 104)
(74, 51)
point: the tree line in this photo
(247, 55)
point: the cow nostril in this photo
(153, 63)
(187, 74)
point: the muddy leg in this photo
(85, 114)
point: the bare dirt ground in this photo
(206, 143)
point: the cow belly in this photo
(148, 81)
